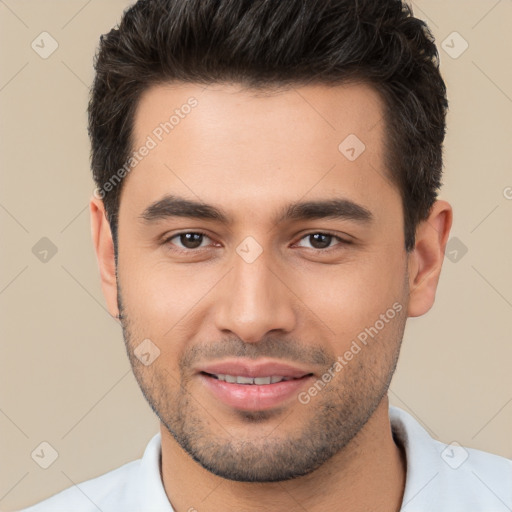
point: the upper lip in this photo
(251, 368)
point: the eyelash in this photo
(341, 241)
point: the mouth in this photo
(257, 381)
(252, 387)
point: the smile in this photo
(259, 381)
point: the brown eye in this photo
(320, 241)
(189, 240)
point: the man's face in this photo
(261, 293)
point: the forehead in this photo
(240, 113)
(225, 144)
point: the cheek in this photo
(351, 297)
(163, 303)
(161, 290)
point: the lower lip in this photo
(254, 397)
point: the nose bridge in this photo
(253, 300)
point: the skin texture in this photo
(251, 154)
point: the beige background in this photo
(65, 377)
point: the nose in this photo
(253, 300)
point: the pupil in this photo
(322, 245)
(191, 240)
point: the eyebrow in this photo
(336, 208)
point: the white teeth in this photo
(244, 380)
(235, 379)
(262, 380)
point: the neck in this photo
(368, 474)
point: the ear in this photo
(426, 259)
(104, 248)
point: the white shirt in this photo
(440, 478)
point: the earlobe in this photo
(104, 248)
(426, 259)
